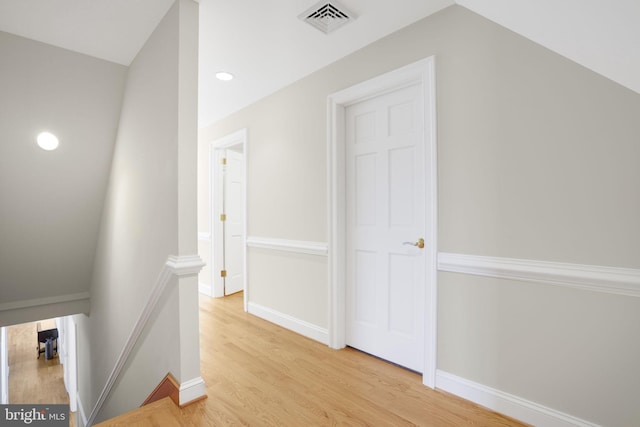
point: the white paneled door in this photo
(233, 224)
(385, 220)
(228, 157)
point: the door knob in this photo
(419, 243)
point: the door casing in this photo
(422, 72)
(4, 367)
(217, 148)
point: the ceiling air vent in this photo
(327, 16)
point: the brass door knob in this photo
(418, 244)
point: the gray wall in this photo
(51, 202)
(537, 159)
(140, 230)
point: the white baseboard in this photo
(507, 404)
(81, 417)
(192, 390)
(205, 289)
(288, 322)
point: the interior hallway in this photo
(33, 380)
(259, 374)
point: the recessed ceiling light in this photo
(48, 141)
(224, 76)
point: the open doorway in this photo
(228, 215)
(41, 365)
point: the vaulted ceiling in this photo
(266, 46)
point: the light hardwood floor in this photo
(161, 413)
(33, 380)
(259, 374)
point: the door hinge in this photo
(223, 273)
(223, 217)
(223, 161)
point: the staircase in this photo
(160, 409)
(163, 412)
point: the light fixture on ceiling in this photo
(48, 141)
(224, 76)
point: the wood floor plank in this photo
(33, 380)
(161, 413)
(259, 374)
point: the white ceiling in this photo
(267, 47)
(114, 30)
(602, 35)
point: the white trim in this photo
(217, 247)
(72, 361)
(296, 246)
(507, 404)
(205, 289)
(301, 327)
(81, 412)
(4, 367)
(192, 390)
(16, 312)
(422, 72)
(67, 353)
(176, 266)
(185, 265)
(215, 188)
(204, 236)
(37, 302)
(431, 328)
(612, 280)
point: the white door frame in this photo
(422, 72)
(4, 367)
(216, 191)
(68, 357)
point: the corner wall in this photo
(537, 160)
(149, 215)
